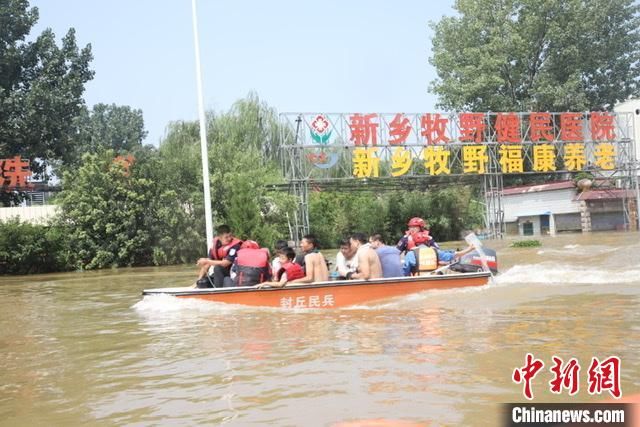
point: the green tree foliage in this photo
(336, 215)
(41, 88)
(119, 128)
(242, 161)
(122, 217)
(26, 248)
(537, 55)
(448, 211)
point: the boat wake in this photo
(163, 303)
(192, 307)
(578, 251)
(552, 273)
(402, 301)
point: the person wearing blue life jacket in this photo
(389, 257)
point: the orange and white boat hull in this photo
(330, 294)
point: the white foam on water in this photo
(576, 250)
(546, 273)
(163, 303)
(401, 302)
(168, 304)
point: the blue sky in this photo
(331, 56)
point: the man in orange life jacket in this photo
(222, 254)
(422, 258)
(289, 270)
(251, 264)
(407, 242)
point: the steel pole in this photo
(203, 132)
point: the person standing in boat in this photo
(369, 266)
(222, 254)
(389, 257)
(288, 271)
(416, 225)
(313, 262)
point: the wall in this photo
(538, 203)
(568, 222)
(32, 214)
(535, 220)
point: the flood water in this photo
(88, 349)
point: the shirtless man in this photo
(369, 266)
(315, 265)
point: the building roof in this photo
(605, 194)
(524, 189)
(627, 106)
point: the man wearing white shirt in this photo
(346, 260)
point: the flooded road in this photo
(86, 348)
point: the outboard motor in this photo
(472, 262)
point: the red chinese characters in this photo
(399, 130)
(508, 127)
(565, 376)
(601, 376)
(605, 375)
(472, 127)
(364, 130)
(14, 173)
(433, 128)
(602, 127)
(571, 127)
(541, 127)
(527, 373)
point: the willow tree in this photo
(243, 151)
(537, 55)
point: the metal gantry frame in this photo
(492, 190)
(334, 168)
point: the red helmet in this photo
(421, 237)
(250, 244)
(416, 222)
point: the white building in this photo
(531, 209)
(560, 207)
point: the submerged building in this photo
(563, 206)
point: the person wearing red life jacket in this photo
(251, 265)
(289, 270)
(222, 254)
(407, 242)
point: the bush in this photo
(525, 244)
(27, 248)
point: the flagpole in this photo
(203, 132)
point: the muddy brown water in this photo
(88, 349)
